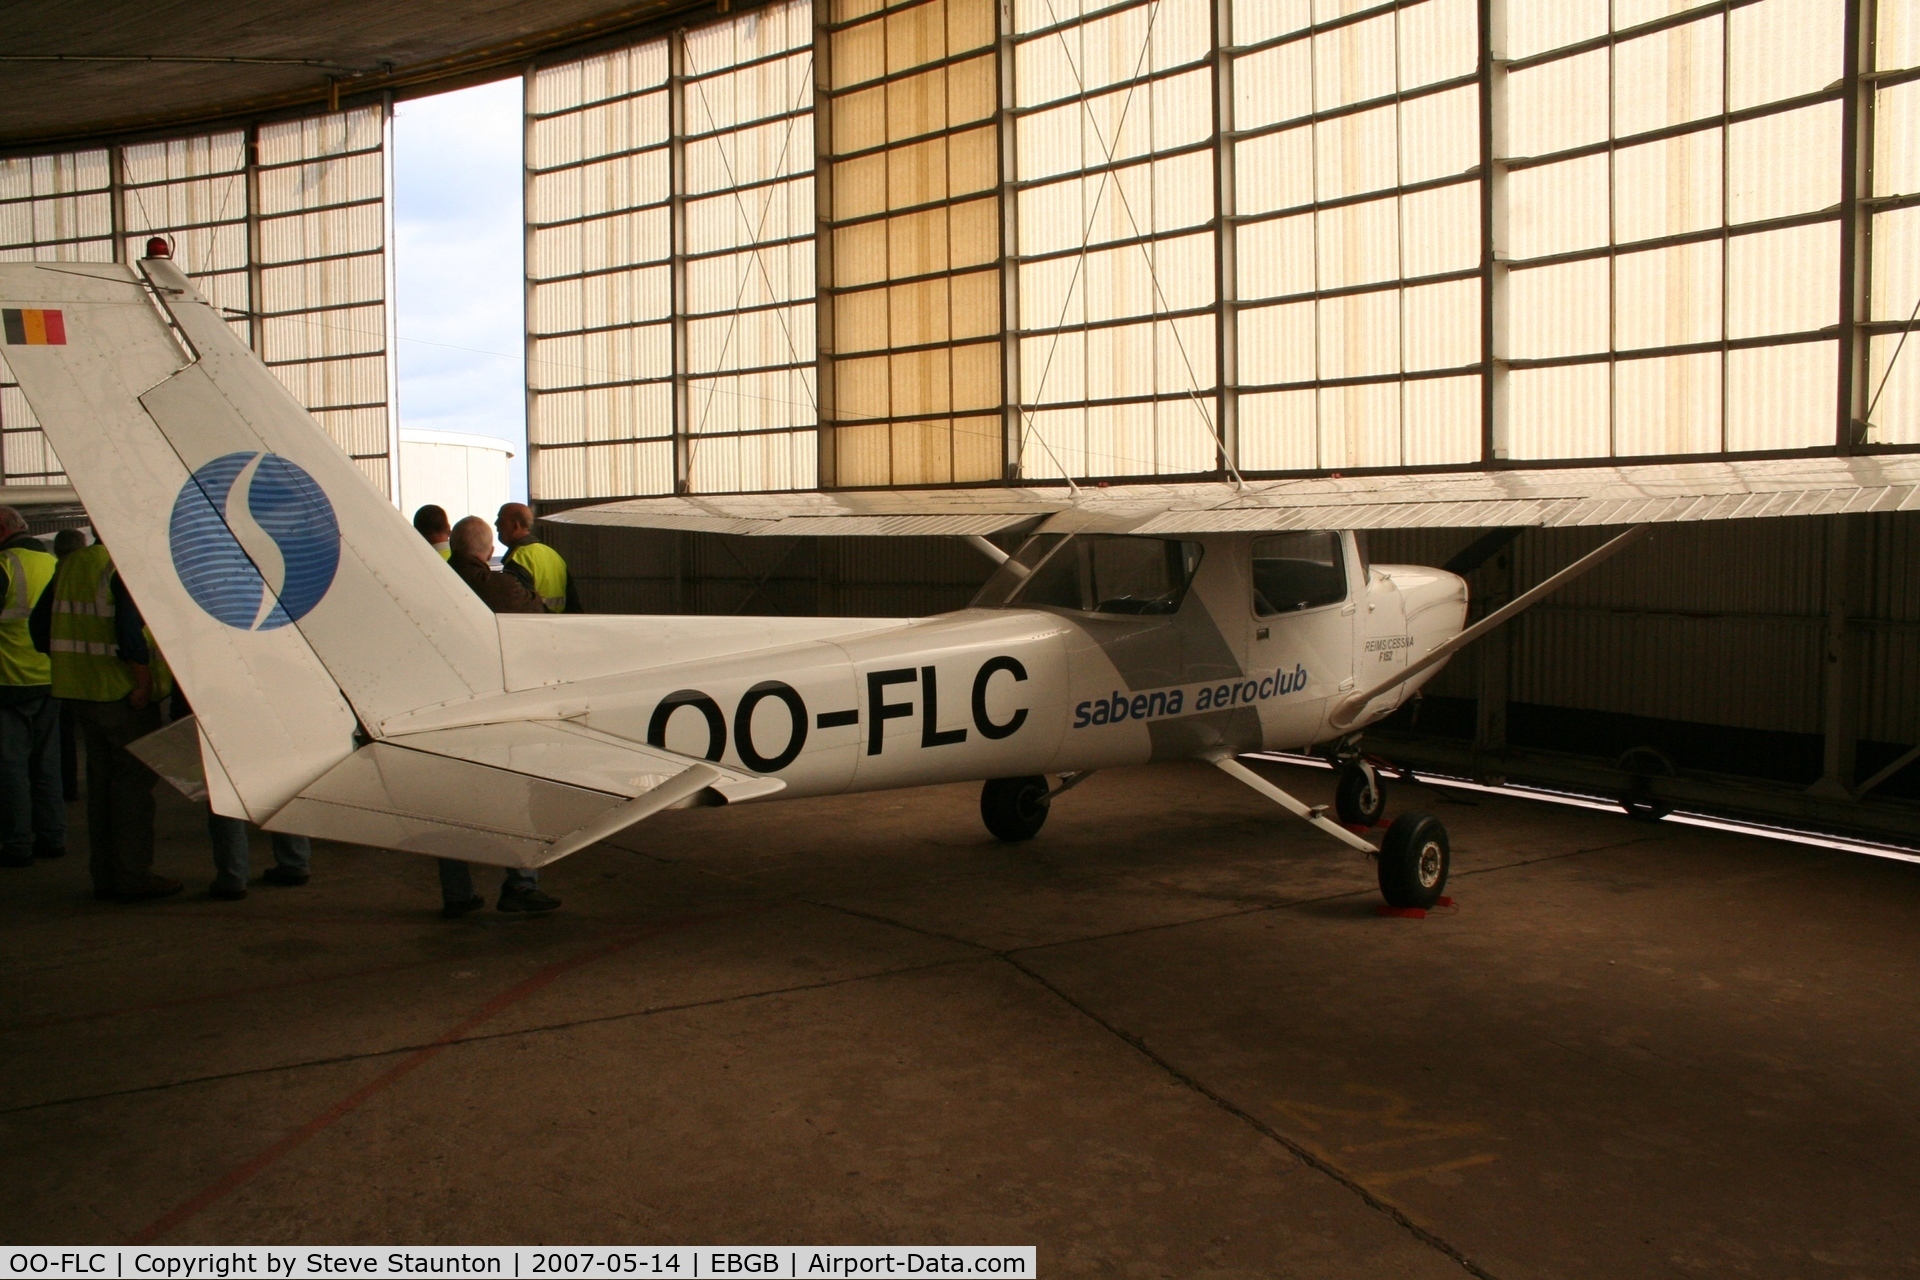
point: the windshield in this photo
(1094, 573)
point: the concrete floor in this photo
(1170, 1037)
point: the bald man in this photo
(538, 566)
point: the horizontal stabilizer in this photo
(517, 794)
(580, 757)
(174, 753)
(181, 754)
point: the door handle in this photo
(1261, 634)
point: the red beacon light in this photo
(159, 248)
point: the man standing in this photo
(105, 669)
(504, 593)
(292, 858)
(539, 567)
(430, 522)
(65, 543)
(33, 810)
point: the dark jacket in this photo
(502, 592)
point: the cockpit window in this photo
(1095, 573)
(1293, 571)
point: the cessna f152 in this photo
(347, 686)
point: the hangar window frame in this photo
(1725, 228)
(25, 457)
(912, 342)
(1172, 424)
(1375, 70)
(663, 444)
(147, 176)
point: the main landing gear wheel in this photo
(1414, 861)
(1014, 809)
(1361, 796)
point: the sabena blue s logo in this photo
(254, 540)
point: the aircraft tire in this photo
(1359, 800)
(1414, 861)
(1014, 809)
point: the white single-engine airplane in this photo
(347, 686)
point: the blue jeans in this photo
(456, 880)
(231, 868)
(33, 803)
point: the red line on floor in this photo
(539, 981)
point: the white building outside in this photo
(466, 474)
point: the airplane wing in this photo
(1646, 493)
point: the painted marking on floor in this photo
(244, 1173)
(1394, 1122)
(1425, 1171)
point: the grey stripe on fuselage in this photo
(1187, 648)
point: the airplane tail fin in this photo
(296, 605)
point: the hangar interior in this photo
(859, 244)
(852, 244)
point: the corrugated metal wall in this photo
(650, 571)
(1886, 635)
(1718, 624)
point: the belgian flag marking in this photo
(34, 328)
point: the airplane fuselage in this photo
(1008, 691)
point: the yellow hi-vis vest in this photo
(85, 651)
(549, 570)
(28, 572)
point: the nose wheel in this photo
(1360, 798)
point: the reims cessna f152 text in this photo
(347, 686)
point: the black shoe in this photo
(50, 851)
(465, 906)
(155, 887)
(226, 895)
(16, 859)
(526, 899)
(284, 875)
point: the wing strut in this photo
(1348, 710)
(986, 548)
(1298, 808)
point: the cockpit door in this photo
(1301, 622)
